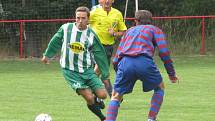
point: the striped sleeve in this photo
(164, 53)
(100, 57)
(55, 44)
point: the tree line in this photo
(47, 9)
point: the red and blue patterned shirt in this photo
(142, 40)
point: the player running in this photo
(78, 42)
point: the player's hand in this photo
(111, 31)
(173, 79)
(45, 60)
(96, 69)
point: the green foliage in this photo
(196, 7)
(46, 9)
(42, 9)
(170, 7)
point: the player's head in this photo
(82, 16)
(143, 17)
(107, 5)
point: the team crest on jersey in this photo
(76, 47)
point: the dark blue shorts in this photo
(131, 69)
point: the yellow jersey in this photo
(100, 21)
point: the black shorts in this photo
(109, 52)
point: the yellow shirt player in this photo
(101, 22)
(108, 23)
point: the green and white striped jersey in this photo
(77, 48)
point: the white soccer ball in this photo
(43, 117)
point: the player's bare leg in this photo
(89, 97)
(101, 94)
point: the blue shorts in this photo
(131, 69)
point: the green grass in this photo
(28, 88)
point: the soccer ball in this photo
(43, 117)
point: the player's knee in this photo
(102, 94)
(161, 86)
(159, 89)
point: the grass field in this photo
(28, 88)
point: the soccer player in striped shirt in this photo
(78, 42)
(134, 61)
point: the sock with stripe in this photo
(112, 110)
(96, 110)
(156, 102)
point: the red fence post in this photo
(20, 40)
(202, 51)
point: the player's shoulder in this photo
(151, 27)
(90, 29)
(156, 28)
(95, 7)
(97, 13)
(115, 10)
(96, 10)
(144, 27)
(67, 26)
